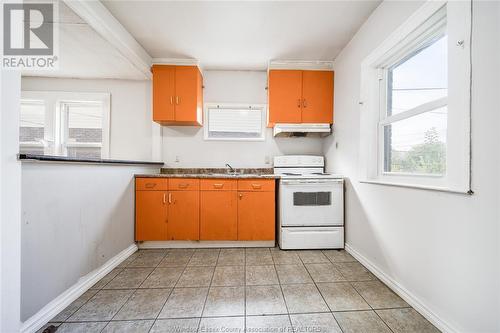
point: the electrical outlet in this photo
(177, 159)
(267, 159)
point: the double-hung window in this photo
(65, 124)
(414, 103)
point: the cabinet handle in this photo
(218, 185)
(241, 196)
(256, 186)
(304, 103)
(183, 185)
(298, 103)
(164, 198)
(150, 185)
(170, 198)
(177, 99)
(172, 100)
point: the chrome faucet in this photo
(231, 169)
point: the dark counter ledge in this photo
(64, 159)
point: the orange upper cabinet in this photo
(177, 95)
(285, 96)
(317, 97)
(298, 96)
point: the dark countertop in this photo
(208, 175)
(241, 173)
(64, 159)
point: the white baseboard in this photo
(405, 294)
(58, 304)
(202, 244)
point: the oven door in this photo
(311, 202)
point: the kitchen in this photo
(230, 168)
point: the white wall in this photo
(10, 202)
(187, 143)
(442, 248)
(131, 120)
(76, 214)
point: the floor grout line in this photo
(171, 291)
(282, 293)
(136, 289)
(208, 292)
(319, 291)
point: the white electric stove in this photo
(311, 204)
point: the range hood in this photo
(302, 130)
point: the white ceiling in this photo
(242, 35)
(219, 34)
(83, 53)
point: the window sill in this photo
(415, 186)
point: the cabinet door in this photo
(256, 219)
(184, 215)
(187, 101)
(150, 215)
(285, 94)
(163, 93)
(218, 216)
(317, 94)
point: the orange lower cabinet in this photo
(150, 215)
(256, 219)
(183, 215)
(218, 215)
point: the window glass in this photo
(417, 144)
(420, 78)
(84, 122)
(32, 127)
(83, 131)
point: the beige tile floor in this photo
(233, 290)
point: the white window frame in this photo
(206, 122)
(430, 20)
(54, 117)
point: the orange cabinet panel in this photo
(150, 215)
(256, 184)
(285, 96)
(218, 215)
(317, 95)
(220, 184)
(151, 184)
(183, 215)
(183, 184)
(177, 95)
(189, 99)
(297, 96)
(256, 216)
(163, 93)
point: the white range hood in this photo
(302, 130)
